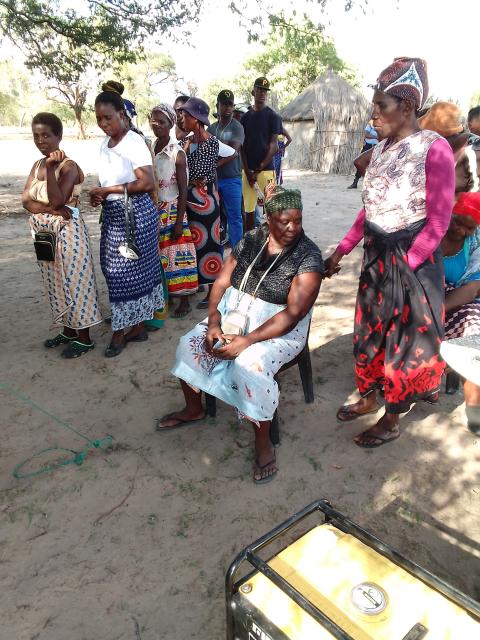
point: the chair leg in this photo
(275, 430)
(210, 405)
(306, 375)
(452, 383)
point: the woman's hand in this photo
(214, 334)
(233, 347)
(55, 158)
(64, 212)
(332, 264)
(177, 230)
(98, 195)
(199, 183)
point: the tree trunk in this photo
(81, 135)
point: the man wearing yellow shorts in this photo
(262, 127)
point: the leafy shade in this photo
(294, 55)
(63, 42)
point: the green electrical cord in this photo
(76, 457)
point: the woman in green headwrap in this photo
(258, 317)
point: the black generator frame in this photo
(341, 522)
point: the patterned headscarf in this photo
(405, 78)
(167, 111)
(278, 198)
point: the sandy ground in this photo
(74, 566)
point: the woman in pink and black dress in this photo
(408, 195)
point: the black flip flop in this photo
(113, 350)
(383, 439)
(59, 339)
(354, 414)
(75, 349)
(181, 423)
(203, 304)
(260, 468)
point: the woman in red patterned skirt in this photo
(408, 195)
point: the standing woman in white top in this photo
(134, 286)
(177, 250)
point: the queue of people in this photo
(161, 238)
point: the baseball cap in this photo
(262, 83)
(226, 96)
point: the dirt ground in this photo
(134, 543)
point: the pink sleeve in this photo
(440, 193)
(354, 236)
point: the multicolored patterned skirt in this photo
(179, 258)
(462, 322)
(203, 212)
(247, 382)
(399, 320)
(69, 281)
(134, 286)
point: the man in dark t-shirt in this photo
(229, 172)
(262, 127)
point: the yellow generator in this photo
(340, 581)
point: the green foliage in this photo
(63, 42)
(144, 80)
(294, 55)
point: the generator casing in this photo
(339, 581)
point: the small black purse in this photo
(45, 243)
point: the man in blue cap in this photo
(230, 131)
(262, 127)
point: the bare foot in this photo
(385, 430)
(183, 309)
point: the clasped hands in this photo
(233, 344)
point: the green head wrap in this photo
(278, 198)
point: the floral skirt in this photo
(69, 281)
(247, 382)
(135, 287)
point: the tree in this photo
(73, 95)
(294, 55)
(63, 41)
(63, 44)
(143, 81)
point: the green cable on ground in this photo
(77, 457)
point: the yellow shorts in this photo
(250, 195)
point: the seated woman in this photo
(461, 250)
(51, 196)
(258, 320)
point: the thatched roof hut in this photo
(326, 122)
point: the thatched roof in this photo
(301, 107)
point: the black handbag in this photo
(129, 249)
(45, 244)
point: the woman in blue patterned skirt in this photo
(134, 286)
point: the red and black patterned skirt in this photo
(399, 320)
